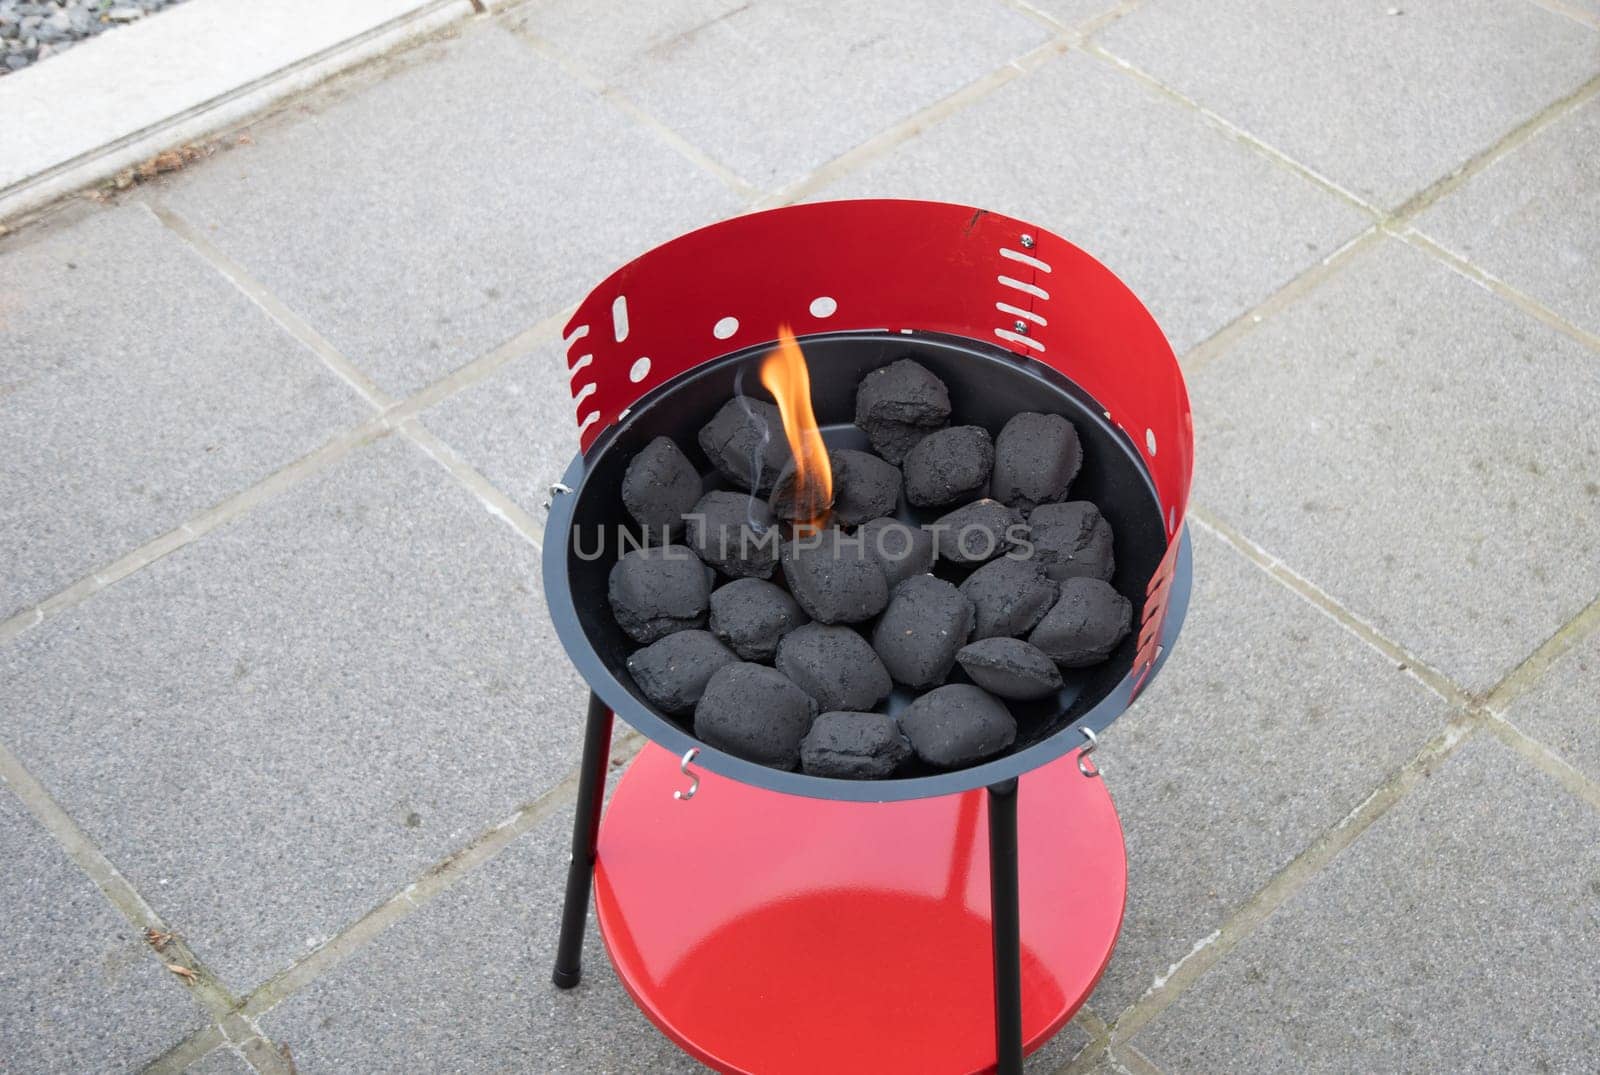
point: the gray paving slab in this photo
(627, 33)
(139, 389)
(463, 984)
(1199, 225)
(1562, 710)
(1532, 218)
(80, 990)
(517, 428)
(773, 90)
(220, 1061)
(1382, 104)
(1269, 724)
(1073, 13)
(1456, 934)
(1057, 1052)
(1419, 448)
(421, 220)
(278, 727)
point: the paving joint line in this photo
(219, 514)
(1121, 1059)
(191, 1050)
(1303, 284)
(276, 310)
(1535, 665)
(1038, 15)
(896, 134)
(1097, 1045)
(1529, 305)
(1546, 758)
(498, 504)
(1398, 655)
(433, 882)
(1167, 987)
(1578, 15)
(603, 89)
(202, 985)
(1129, 1060)
(1233, 130)
(1523, 132)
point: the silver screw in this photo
(1020, 326)
(1027, 242)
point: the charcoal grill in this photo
(1012, 318)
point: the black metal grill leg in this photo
(585, 834)
(1006, 923)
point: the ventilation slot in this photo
(1017, 337)
(1026, 289)
(1025, 259)
(1017, 311)
(619, 317)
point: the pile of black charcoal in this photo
(782, 645)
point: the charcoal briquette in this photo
(918, 635)
(657, 591)
(754, 712)
(835, 666)
(958, 725)
(1036, 457)
(898, 405)
(659, 485)
(1010, 668)
(854, 746)
(750, 615)
(900, 549)
(1072, 540)
(833, 578)
(745, 442)
(782, 501)
(977, 532)
(949, 466)
(864, 486)
(673, 672)
(1009, 597)
(1085, 624)
(735, 533)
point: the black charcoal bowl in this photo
(987, 386)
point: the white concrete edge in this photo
(226, 109)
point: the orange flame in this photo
(784, 374)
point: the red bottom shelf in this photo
(765, 933)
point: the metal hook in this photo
(1084, 766)
(694, 781)
(555, 489)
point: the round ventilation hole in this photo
(639, 371)
(725, 328)
(823, 306)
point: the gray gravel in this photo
(30, 32)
